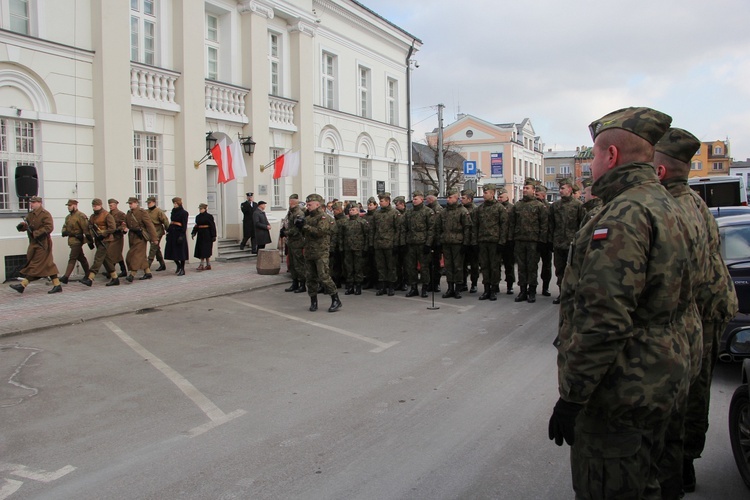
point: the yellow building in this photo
(711, 159)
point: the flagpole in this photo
(268, 165)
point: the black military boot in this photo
(522, 296)
(56, 289)
(557, 300)
(532, 295)
(358, 289)
(64, 280)
(335, 303)
(123, 269)
(390, 290)
(413, 292)
(456, 292)
(349, 289)
(18, 287)
(461, 287)
(486, 294)
(493, 295)
(86, 281)
(314, 303)
(473, 288)
(381, 289)
(688, 475)
(113, 282)
(451, 292)
(162, 265)
(302, 288)
(293, 287)
(545, 290)
(510, 289)
(424, 291)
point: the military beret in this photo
(399, 199)
(294, 197)
(502, 190)
(177, 200)
(432, 192)
(133, 199)
(72, 202)
(96, 202)
(451, 192)
(564, 181)
(112, 200)
(314, 197)
(384, 195)
(248, 194)
(587, 182)
(678, 144)
(150, 199)
(468, 192)
(540, 187)
(530, 181)
(646, 123)
(37, 199)
(489, 187)
(372, 200)
(203, 205)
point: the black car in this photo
(739, 408)
(734, 232)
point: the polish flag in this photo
(286, 165)
(222, 157)
(236, 160)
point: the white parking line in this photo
(10, 487)
(212, 411)
(381, 346)
(42, 476)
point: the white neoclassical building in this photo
(114, 98)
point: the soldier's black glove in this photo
(282, 233)
(299, 222)
(562, 423)
(21, 227)
(65, 233)
(426, 249)
(90, 244)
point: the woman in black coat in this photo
(205, 228)
(262, 227)
(176, 248)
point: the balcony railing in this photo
(281, 113)
(153, 87)
(225, 102)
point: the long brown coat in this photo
(140, 231)
(118, 242)
(39, 261)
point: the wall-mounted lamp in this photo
(247, 144)
(210, 143)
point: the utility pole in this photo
(440, 171)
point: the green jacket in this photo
(294, 236)
(565, 216)
(528, 221)
(76, 224)
(418, 225)
(491, 223)
(317, 230)
(453, 226)
(354, 234)
(384, 230)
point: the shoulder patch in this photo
(600, 233)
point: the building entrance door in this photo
(215, 198)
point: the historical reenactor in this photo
(248, 207)
(371, 269)
(337, 257)
(261, 226)
(205, 230)
(383, 240)
(454, 232)
(437, 254)
(316, 226)
(161, 223)
(295, 241)
(507, 253)
(591, 204)
(100, 235)
(353, 238)
(527, 227)
(176, 248)
(490, 233)
(399, 203)
(118, 243)
(75, 228)
(471, 258)
(140, 231)
(38, 225)
(623, 351)
(565, 217)
(545, 251)
(419, 222)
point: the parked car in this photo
(720, 191)
(739, 408)
(727, 211)
(734, 233)
(478, 200)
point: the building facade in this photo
(711, 159)
(112, 99)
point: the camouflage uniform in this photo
(471, 258)
(565, 217)
(437, 252)
(453, 231)
(295, 242)
(337, 256)
(491, 233)
(527, 227)
(591, 208)
(75, 228)
(353, 235)
(545, 248)
(384, 237)
(317, 232)
(371, 269)
(418, 228)
(507, 251)
(400, 245)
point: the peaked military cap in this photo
(71, 202)
(372, 200)
(587, 182)
(96, 202)
(337, 205)
(678, 144)
(468, 192)
(540, 187)
(248, 194)
(294, 197)
(133, 199)
(489, 187)
(451, 192)
(417, 193)
(112, 200)
(37, 199)
(567, 181)
(399, 199)
(150, 199)
(530, 181)
(501, 190)
(432, 192)
(646, 123)
(384, 195)
(314, 197)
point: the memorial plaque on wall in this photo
(349, 187)
(381, 187)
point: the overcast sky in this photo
(564, 64)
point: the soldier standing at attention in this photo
(371, 269)
(471, 258)
(453, 231)
(100, 234)
(384, 235)
(591, 204)
(545, 252)
(38, 225)
(353, 235)
(118, 244)
(337, 255)
(623, 352)
(75, 228)
(490, 233)
(565, 217)
(437, 253)
(295, 241)
(506, 252)
(527, 227)
(161, 223)
(399, 202)
(317, 227)
(140, 230)
(418, 229)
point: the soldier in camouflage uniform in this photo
(545, 252)
(337, 256)
(507, 253)
(295, 242)
(716, 304)
(383, 239)
(353, 235)
(399, 202)
(490, 232)
(418, 227)
(454, 232)
(371, 269)
(591, 203)
(316, 228)
(623, 351)
(75, 228)
(527, 227)
(565, 217)
(432, 202)
(471, 259)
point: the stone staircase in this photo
(229, 251)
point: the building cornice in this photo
(256, 7)
(397, 33)
(45, 46)
(303, 27)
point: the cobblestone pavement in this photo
(36, 309)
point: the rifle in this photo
(30, 232)
(98, 236)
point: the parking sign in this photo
(470, 167)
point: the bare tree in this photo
(426, 161)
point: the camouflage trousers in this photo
(385, 262)
(546, 256)
(297, 263)
(453, 256)
(316, 273)
(154, 252)
(401, 251)
(509, 263)
(489, 261)
(336, 266)
(561, 260)
(471, 264)
(415, 255)
(527, 258)
(77, 255)
(354, 264)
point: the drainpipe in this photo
(408, 115)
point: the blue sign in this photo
(496, 164)
(470, 167)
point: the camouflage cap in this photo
(71, 202)
(37, 199)
(372, 200)
(530, 181)
(501, 190)
(432, 192)
(587, 182)
(133, 199)
(468, 192)
(384, 195)
(678, 144)
(294, 197)
(541, 188)
(150, 199)
(417, 193)
(314, 197)
(451, 192)
(112, 200)
(489, 187)
(337, 206)
(646, 123)
(96, 202)
(575, 187)
(566, 180)
(399, 199)
(202, 205)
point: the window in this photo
(274, 58)
(365, 180)
(696, 165)
(393, 102)
(147, 165)
(586, 168)
(212, 47)
(17, 149)
(363, 90)
(330, 177)
(277, 184)
(143, 31)
(718, 166)
(328, 72)
(565, 169)
(549, 170)
(551, 185)
(393, 179)
(19, 16)
(717, 150)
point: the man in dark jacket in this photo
(261, 227)
(248, 229)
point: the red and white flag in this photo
(221, 156)
(286, 165)
(236, 160)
